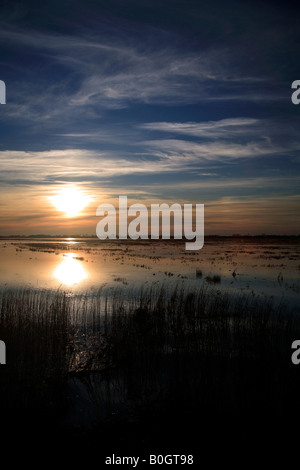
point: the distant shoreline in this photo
(207, 237)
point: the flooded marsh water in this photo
(261, 266)
(102, 335)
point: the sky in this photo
(162, 101)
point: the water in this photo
(260, 266)
(145, 365)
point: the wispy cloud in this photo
(111, 73)
(226, 140)
(185, 152)
(223, 128)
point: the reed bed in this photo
(142, 352)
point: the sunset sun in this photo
(70, 200)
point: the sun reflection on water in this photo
(70, 271)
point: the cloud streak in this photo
(112, 72)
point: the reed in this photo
(143, 351)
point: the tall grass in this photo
(34, 326)
(137, 353)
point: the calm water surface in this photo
(258, 266)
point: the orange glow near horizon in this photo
(70, 200)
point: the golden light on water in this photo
(70, 200)
(70, 271)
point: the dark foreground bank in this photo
(182, 372)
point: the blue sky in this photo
(170, 101)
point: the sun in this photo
(70, 200)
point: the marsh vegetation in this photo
(82, 363)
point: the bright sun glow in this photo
(70, 200)
(70, 271)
